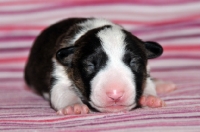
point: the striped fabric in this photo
(175, 24)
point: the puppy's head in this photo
(108, 67)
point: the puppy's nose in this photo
(115, 94)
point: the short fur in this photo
(77, 59)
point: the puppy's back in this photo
(39, 65)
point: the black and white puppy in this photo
(87, 62)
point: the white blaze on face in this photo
(116, 76)
(91, 24)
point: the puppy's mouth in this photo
(113, 108)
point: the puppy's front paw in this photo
(151, 101)
(74, 110)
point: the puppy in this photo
(83, 64)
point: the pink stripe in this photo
(7, 60)
(15, 38)
(20, 27)
(80, 2)
(183, 48)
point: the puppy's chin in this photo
(113, 108)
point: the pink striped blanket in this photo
(175, 24)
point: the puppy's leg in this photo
(149, 97)
(164, 87)
(66, 101)
(62, 95)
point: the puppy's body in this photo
(91, 61)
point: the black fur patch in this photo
(135, 58)
(39, 66)
(88, 59)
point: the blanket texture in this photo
(175, 24)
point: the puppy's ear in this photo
(153, 49)
(64, 55)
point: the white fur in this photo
(150, 88)
(113, 43)
(115, 71)
(62, 93)
(91, 24)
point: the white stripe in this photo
(113, 42)
(16, 44)
(177, 74)
(14, 54)
(181, 41)
(18, 65)
(174, 98)
(181, 105)
(12, 84)
(173, 63)
(11, 74)
(181, 53)
(19, 32)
